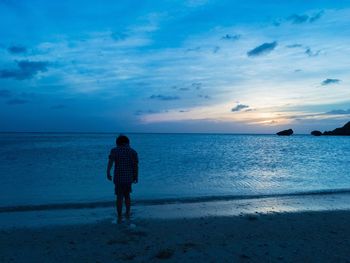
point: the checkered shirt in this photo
(125, 163)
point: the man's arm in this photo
(109, 166)
(136, 168)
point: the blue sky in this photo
(174, 66)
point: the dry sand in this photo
(277, 237)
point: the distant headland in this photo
(343, 131)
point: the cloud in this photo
(4, 93)
(58, 107)
(26, 70)
(17, 49)
(330, 81)
(195, 3)
(308, 50)
(27, 95)
(298, 19)
(231, 37)
(207, 97)
(310, 53)
(195, 49)
(164, 97)
(118, 36)
(17, 101)
(262, 49)
(276, 23)
(294, 45)
(145, 112)
(316, 17)
(180, 89)
(183, 89)
(338, 112)
(216, 49)
(239, 107)
(197, 85)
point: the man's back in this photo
(125, 164)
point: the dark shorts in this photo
(122, 189)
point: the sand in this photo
(274, 237)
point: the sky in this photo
(221, 66)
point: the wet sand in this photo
(274, 237)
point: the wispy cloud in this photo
(294, 45)
(17, 49)
(194, 49)
(180, 88)
(262, 49)
(298, 19)
(164, 97)
(311, 53)
(4, 93)
(58, 107)
(330, 81)
(184, 89)
(216, 49)
(239, 107)
(145, 112)
(17, 101)
(204, 96)
(231, 37)
(316, 17)
(304, 18)
(338, 112)
(197, 85)
(195, 3)
(118, 36)
(25, 70)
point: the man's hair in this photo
(122, 140)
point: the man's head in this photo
(122, 140)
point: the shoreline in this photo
(175, 210)
(274, 237)
(170, 200)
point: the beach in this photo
(297, 228)
(276, 237)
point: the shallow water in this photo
(70, 168)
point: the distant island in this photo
(343, 131)
(285, 132)
(316, 133)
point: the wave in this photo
(102, 204)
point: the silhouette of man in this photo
(125, 162)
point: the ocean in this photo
(70, 168)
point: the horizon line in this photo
(114, 132)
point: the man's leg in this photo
(119, 205)
(127, 205)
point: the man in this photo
(125, 173)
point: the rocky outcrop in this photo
(345, 130)
(285, 132)
(316, 133)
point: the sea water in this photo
(63, 168)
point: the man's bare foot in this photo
(119, 220)
(127, 216)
